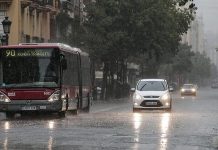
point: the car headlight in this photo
(4, 98)
(165, 97)
(55, 96)
(182, 90)
(137, 97)
(193, 90)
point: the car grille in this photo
(151, 96)
(144, 103)
(188, 91)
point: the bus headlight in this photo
(55, 96)
(4, 98)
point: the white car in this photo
(152, 93)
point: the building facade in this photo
(195, 36)
(32, 20)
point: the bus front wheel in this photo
(75, 111)
(9, 114)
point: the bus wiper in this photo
(9, 86)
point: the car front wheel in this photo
(135, 109)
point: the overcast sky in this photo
(208, 9)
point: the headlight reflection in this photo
(7, 126)
(50, 143)
(165, 120)
(5, 144)
(51, 124)
(163, 143)
(137, 120)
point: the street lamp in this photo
(6, 27)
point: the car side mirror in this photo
(132, 89)
(171, 89)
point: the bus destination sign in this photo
(27, 53)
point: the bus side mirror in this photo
(64, 64)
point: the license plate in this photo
(29, 108)
(42, 107)
(151, 103)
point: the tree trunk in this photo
(104, 82)
(93, 82)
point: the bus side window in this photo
(66, 72)
(86, 70)
(75, 70)
(70, 75)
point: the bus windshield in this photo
(29, 67)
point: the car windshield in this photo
(151, 86)
(188, 86)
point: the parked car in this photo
(214, 85)
(188, 89)
(98, 90)
(174, 85)
(171, 88)
(152, 94)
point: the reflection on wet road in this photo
(165, 118)
(191, 125)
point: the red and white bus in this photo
(48, 77)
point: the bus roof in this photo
(61, 46)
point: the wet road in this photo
(191, 125)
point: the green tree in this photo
(214, 71)
(117, 29)
(182, 63)
(201, 69)
(70, 30)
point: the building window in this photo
(35, 39)
(27, 39)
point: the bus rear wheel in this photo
(87, 109)
(75, 112)
(62, 114)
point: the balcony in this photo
(5, 4)
(25, 3)
(6, 1)
(68, 6)
(40, 5)
(39, 2)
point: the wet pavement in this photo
(191, 125)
